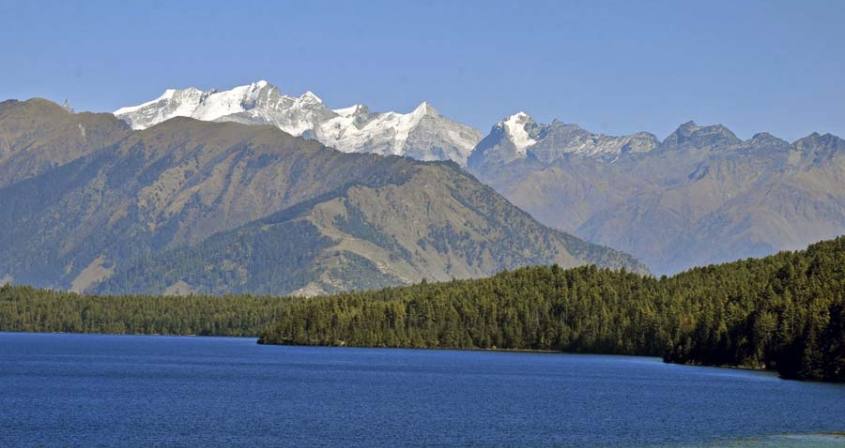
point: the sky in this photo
(610, 66)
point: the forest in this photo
(785, 312)
(23, 308)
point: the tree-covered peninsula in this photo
(784, 312)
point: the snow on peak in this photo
(515, 128)
(384, 133)
(350, 129)
(352, 110)
(422, 133)
(256, 102)
(425, 108)
(311, 97)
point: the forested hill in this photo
(785, 312)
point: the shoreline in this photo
(259, 341)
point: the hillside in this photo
(38, 135)
(436, 224)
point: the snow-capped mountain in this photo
(422, 134)
(259, 102)
(520, 137)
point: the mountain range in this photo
(423, 134)
(195, 206)
(701, 195)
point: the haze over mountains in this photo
(187, 205)
(699, 196)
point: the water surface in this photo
(97, 390)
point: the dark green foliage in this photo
(532, 308)
(784, 312)
(23, 308)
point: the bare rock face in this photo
(701, 196)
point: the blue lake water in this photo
(97, 390)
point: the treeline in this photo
(23, 308)
(785, 312)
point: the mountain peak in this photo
(516, 128)
(688, 127)
(253, 86)
(766, 140)
(520, 137)
(518, 117)
(353, 110)
(507, 141)
(820, 144)
(691, 135)
(311, 97)
(425, 108)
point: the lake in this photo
(100, 390)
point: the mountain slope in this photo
(37, 135)
(701, 196)
(423, 134)
(436, 224)
(178, 183)
(170, 185)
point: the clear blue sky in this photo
(615, 66)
